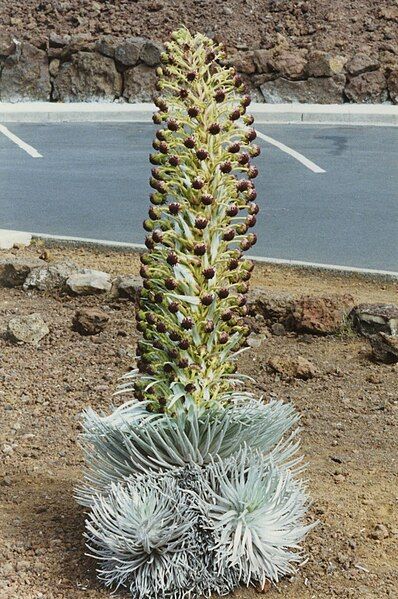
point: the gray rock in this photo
(90, 321)
(107, 45)
(392, 84)
(361, 63)
(58, 41)
(369, 319)
(274, 307)
(28, 329)
(278, 329)
(87, 76)
(321, 90)
(128, 52)
(150, 53)
(323, 64)
(50, 277)
(89, 282)
(368, 88)
(7, 44)
(126, 286)
(25, 75)
(13, 270)
(139, 83)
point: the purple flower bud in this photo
(167, 367)
(193, 111)
(189, 387)
(207, 199)
(189, 142)
(214, 128)
(199, 249)
(209, 326)
(202, 154)
(157, 236)
(150, 318)
(243, 158)
(161, 104)
(163, 147)
(242, 185)
(174, 160)
(172, 259)
(219, 95)
(254, 151)
(223, 293)
(149, 243)
(210, 56)
(209, 272)
(157, 118)
(245, 244)
(191, 76)
(184, 344)
(161, 327)
(201, 222)
(252, 237)
(233, 264)
(187, 323)
(251, 220)
(232, 210)
(241, 228)
(173, 353)
(226, 167)
(173, 125)
(252, 172)
(237, 81)
(174, 336)
(153, 213)
(226, 316)
(248, 119)
(229, 235)
(173, 307)
(252, 194)
(207, 299)
(250, 135)
(183, 93)
(234, 148)
(242, 300)
(183, 363)
(246, 101)
(170, 284)
(160, 134)
(235, 115)
(174, 208)
(223, 338)
(198, 183)
(144, 272)
(158, 298)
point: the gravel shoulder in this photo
(348, 418)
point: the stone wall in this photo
(73, 68)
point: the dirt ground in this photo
(349, 436)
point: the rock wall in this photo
(80, 67)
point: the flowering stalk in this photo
(203, 206)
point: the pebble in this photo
(339, 478)
(379, 532)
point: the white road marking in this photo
(23, 145)
(308, 163)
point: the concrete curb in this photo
(306, 114)
(348, 271)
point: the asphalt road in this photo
(92, 181)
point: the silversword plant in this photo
(192, 486)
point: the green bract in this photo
(195, 279)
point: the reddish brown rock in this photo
(323, 64)
(273, 307)
(361, 63)
(25, 75)
(7, 44)
(290, 65)
(320, 315)
(90, 321)
(367, 88)
(297, 368)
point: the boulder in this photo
(370, 319)
(89, 282)
(107, 45)
(25, 75)
(290, 65)
(58, 41)
(323, 64)
(262, 60)
(367, 88)
(361, 63)
(27, 329)
(88, 75)
(90, 321)
(150, 53)
(297, 368)
(7, 44)
(13, 270)
(385, 348)
(273, 307)
(316, 90)
(244, 62)
(392, 85)
(128, 52)
(50, 277)
(127, 287)
(322, 315)
(139, 83)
